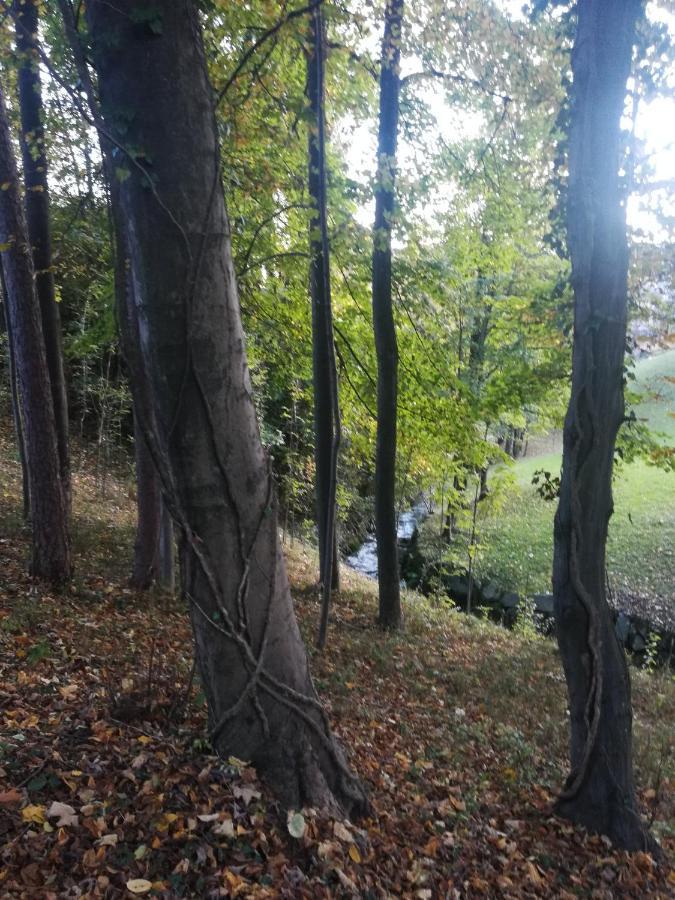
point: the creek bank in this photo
(644, 637)
(637, 634)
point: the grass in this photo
(516, 525)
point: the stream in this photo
(365, 558)
(634, 631)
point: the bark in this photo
(599, 793)
(326, 408)
(37, 217)
(50, 544)
(383, 323)
(204, 438)
(145, 567)
(17, 415)
(166, 577)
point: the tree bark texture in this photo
(51, 544)
(17, 414)
(166, 577)
(326, 408)
(383, 323)
(145, 566)
(599, 793)
(157, 102)
(37, 217)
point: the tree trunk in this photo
(17, 415)
(326, 408)
(145, 567)
(205, 439)
(166, 578)
(51, 545)
(599, 793)
(37, 217)
(383, 323)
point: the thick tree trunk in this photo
(599, 792)
(326, 409)
(205, 439)
(37, 217)
(51, 545)
(145, 566)
(383, 323)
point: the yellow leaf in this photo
(33, 814)
(354, 853)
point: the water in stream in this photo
(365, 558)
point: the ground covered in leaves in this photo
(108, 788)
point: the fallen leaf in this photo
(245, 793)
(296, 824)
(139, 885)
(63, 812)
(225, 828)
(342, 833)
(33, 813)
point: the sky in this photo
(655, 126)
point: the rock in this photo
(492, 592)
(510, 600)
(544, 603)
(458, 587)
(622, 628)
(638, 643)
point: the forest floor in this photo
(458, 728)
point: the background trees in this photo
(49, 515)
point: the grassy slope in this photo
(517, 539)
(458, 728)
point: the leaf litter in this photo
(108, 788)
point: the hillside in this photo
(457, 727)
(516, 525)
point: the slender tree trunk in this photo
(383, 323)
(51, 545)
(17, 415)
(326, 408)
(599, 792)
(145, 567)
(37, 217)
(205, 439)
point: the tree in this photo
(16, 403)
(326, 402)
(145, 564)
(383, 323)
(51, 544)
(599, 792)
(34, 157)
(157, 109)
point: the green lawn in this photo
(516, 532)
